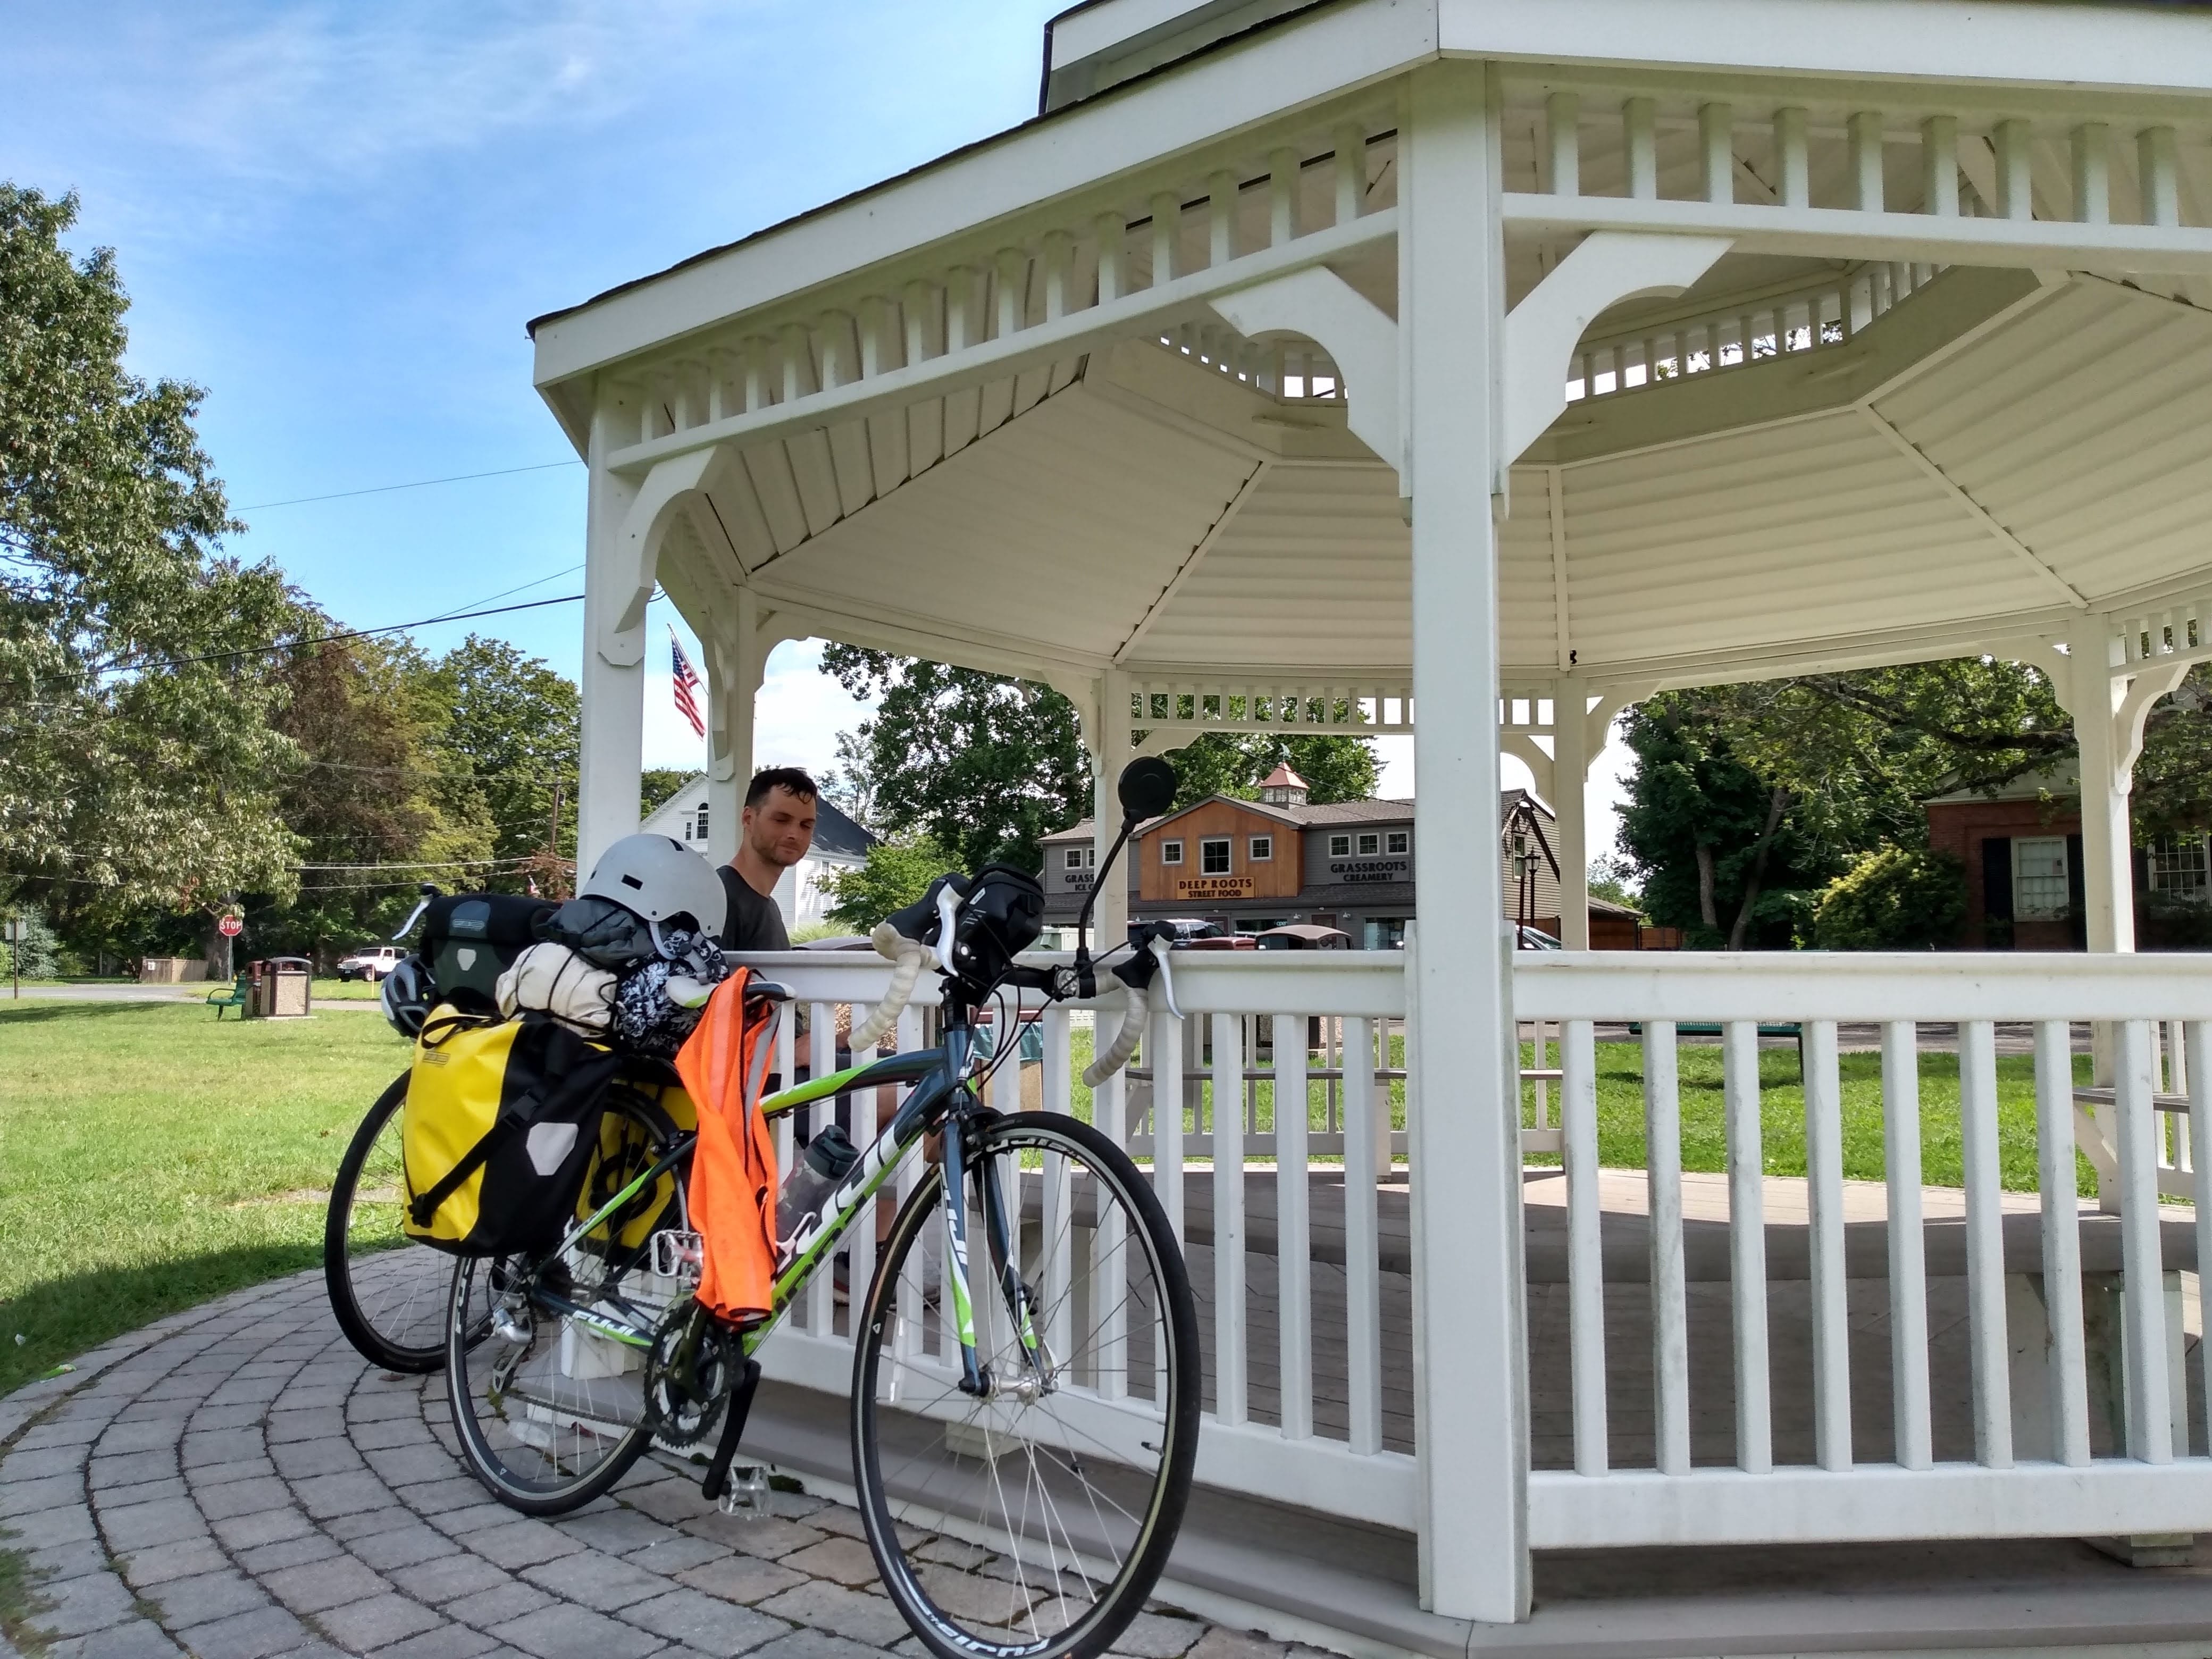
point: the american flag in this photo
(687, 685)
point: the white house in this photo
(802, 895)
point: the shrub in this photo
(1895, 898)
(41, 951)
(898, 873)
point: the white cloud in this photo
(312, 95)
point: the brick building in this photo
(1250, 865)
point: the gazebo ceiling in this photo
(1988, 458)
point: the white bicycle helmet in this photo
(656, 877)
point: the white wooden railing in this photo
(1301, 1419)
(2036, 1466)
(2061, 1410)
(1823, 315)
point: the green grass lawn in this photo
(151, 1158)
(345, 990)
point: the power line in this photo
(356, 634)
(418, 483)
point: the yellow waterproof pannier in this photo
(626, 1150)
(502, 1120)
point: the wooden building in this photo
(1249, 866)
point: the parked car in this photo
(372, 962)
(1305, 936)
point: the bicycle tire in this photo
(1059, 1624)
(401, 1328)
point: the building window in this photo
(702, 822)
(1170, 852)
(1401, 841)
(1075, 858)
(2039, 877)
(1382, 933)
(1262, 849)
(1213, 856)
(2179, 868)
(1369, 846)
(1339, 846)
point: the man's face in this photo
(780, 828)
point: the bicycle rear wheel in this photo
(547, 1371)
(1068, 1483)
(388, 1297)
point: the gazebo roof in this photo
(1934, 458)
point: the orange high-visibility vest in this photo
(724, 1064)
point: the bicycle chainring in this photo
(683, 1409)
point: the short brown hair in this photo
(780, 777)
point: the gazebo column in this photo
(736, 661)
(1470, 1394)
(2107, 778)
(611, 739)
(1571, 763)
(1107, 734)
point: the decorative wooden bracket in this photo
(1542, 331)
(634, 561)
(1359, 335)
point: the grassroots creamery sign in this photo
(1359, 870)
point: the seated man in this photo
(777, 829)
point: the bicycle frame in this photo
(940, 1078)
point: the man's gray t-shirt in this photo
(750, 920)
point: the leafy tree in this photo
(1844, 765)
(1713, 839)
(986, 765)
(1895, 898)
(898, 873)
(377, 791)
(981, 765)
(1335, 769)
(514, 725)
(139, 766)
(1614, 877)
(656, 784)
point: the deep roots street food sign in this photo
(1214, 887)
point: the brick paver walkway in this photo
(234, 1483)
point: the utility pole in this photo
(553, 842)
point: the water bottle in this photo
(825, 1161)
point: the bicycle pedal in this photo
(679, 1254)
(746, 1494)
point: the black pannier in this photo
(470, 939)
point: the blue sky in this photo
(338, 218)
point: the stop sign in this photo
(230, 927)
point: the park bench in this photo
(233, 997)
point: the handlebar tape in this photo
(1125, 1041)
(911, 957)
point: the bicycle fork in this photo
(976, 1377)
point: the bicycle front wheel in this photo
(1066, 1481)
(388, 1299)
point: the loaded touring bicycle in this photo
(1026, 1362)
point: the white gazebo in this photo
(1471, 369)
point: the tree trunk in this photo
(1777, 805)
(1706, 911)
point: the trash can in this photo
(278, 988)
